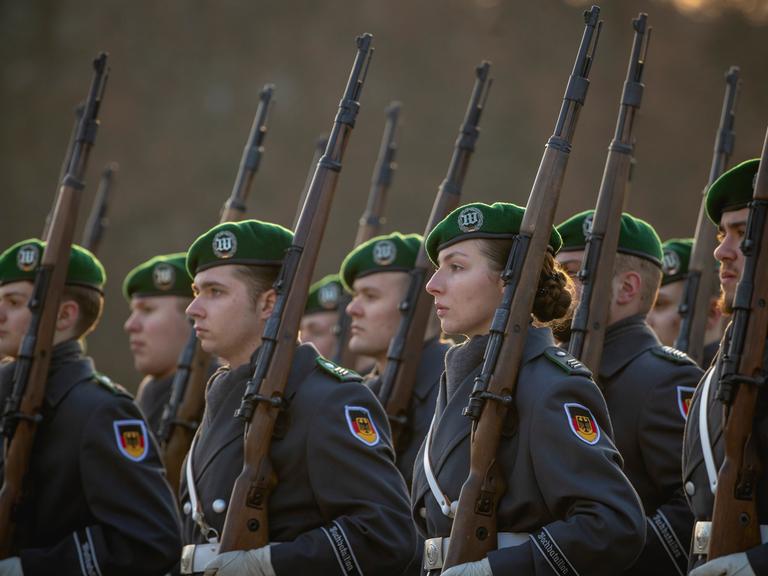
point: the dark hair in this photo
(257, 279)
(90, 303)
(554, 294)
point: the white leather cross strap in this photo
(447, 507)
(197, 509)
(435, 549)
(706, 445)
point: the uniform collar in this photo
(68, 368)
(617, 349)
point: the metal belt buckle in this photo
(195, 557)
(701, 534)
(433, 554)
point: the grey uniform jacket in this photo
(96, 501)
(564, 481)
(152, 397)
(648, 387)
(340, 506)
(695, 478)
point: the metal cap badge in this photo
(384, 252)
(28, 257)
(224, 244)
(470, 219)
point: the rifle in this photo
(97, 220)
(182, 414)
(246, 523)
(320, 145)
(22, 410)
(370, 223)
(404, 353)
(474, 529)
(701, 270)
(596, 274)
(735, 521)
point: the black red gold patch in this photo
(132, 439)
(583, 424)
(684, 399)
(361, 425)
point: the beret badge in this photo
(163, 276)
(586, 226)
(224, 244)
(328, 296)
(28, 257)
(670, 264)
(470, 219)
(384, 252)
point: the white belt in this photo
(706, 445)
(447, 507)
(195, 557)
(207, 531)
(703, 530)
(435, 549)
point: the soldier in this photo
(96, 500)
(726, 205)
(158, 292)
(567, 508)
(340, 506)
(647, 386)
(664, 317)
(376, 273)
(321, 316)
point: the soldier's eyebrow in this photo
(451, 255)
(207, 284)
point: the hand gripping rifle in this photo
(370, 222)
(474, 529)
(701, 270)
(404, 353)
(246, 523)
(182, 414)
(22, 410)
(735, 521)
(596, 274)
(97, 220)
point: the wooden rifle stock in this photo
(701, 282)
(474, 529)
(22, 411)
(404, 354)
(246, 524)
(596, 274)
(735, 521)
(97, 220)
(370, 223)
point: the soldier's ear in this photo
(267, 303)
(66, 322)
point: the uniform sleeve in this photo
(577, 469)
(135, 526)
(360, 493)
(758, 559)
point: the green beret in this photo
(636, 237)
(677, 257)
(478, 220)
(391, 253)
(324, 295)
(20, 261)
(159, 276)
(733, 190)
(249, 242)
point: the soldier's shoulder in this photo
(336, 372)
(672, 355)
(104, 382)
(566, 362)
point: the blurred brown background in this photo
(186, 76)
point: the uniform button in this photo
(219, 506)
(187, 508)
(423, 512)
(560, 353)
(690, 488)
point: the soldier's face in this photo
(374, 311)
(14, 316)
(157, 332)
(664, 317)
(730, 233)
(571, 264)
(466, 289)
(320, 329)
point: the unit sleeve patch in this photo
(132, 439)
(684, 399)
(582, 423)
(361, 425)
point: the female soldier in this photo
(568, 508)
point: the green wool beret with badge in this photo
(636, 236)
(20, 261)
(477, 220)
(324, 295)
(733, 190)
(677, 257)
(391, 253)
(164, 275)
(248, 242)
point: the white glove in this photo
(242, 563)
(731, 565)
(11, 567)
(481, 568)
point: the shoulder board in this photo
(341, 374)
(672, 354)
(569, 364)
(105, 382)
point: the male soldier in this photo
(158, 292)
(726, 206)
(340, 506)
(321, 315)
(647, 387)
(664, 317)
(376, 273)
(95, 497)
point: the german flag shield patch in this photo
(583, 424)
(132, 439)
(684, 399)
(361, 425)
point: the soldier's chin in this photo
(725, 302)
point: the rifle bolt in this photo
(253, 525)
(481, 533)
